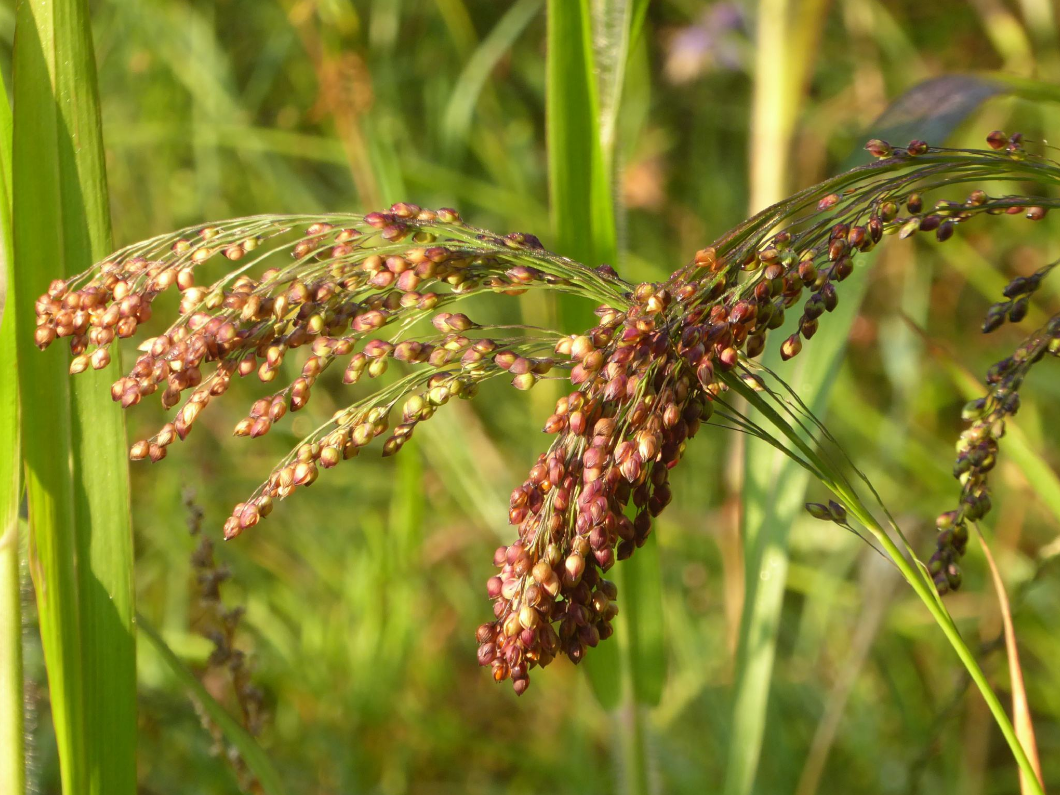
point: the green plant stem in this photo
(916, 579)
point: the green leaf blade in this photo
(12, 741)
(77, 475)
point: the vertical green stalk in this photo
(12, 750)
(588, 46)
(580, 195)
(81, 553)
(786, 38)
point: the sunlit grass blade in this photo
(580, 194)
(1021, 714)
(251, 753)
(614, 27)
(12, 759)
(786, 37)
(74, 442)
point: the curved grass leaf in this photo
(933, 109)
(1021, 713)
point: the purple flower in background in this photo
(713, 42)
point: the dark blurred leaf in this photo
(933, 109)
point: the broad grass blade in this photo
(12, 750)
(583, 218)
(73, 440)
(588, 47)
(575, 163)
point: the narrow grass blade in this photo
(461, 107)
(579, 177)
(575, 163)
(786, 33)
(588, 48)
(74, 442)
(1021, 714)
(256, 759)
(12, 750)
(615, 23)
(612, 24)
(775, 485)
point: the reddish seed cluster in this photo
(361, 289)
(382, 272)
(712, 315)
(617, 437)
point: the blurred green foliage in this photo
(362, 597)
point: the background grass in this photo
(362, 598)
